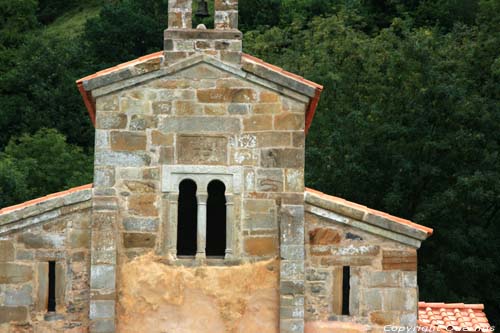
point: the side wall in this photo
(205, 117)
(383, 281)
(61, 235)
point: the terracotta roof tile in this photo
(373, 212)
(43, 199)
(455, 317)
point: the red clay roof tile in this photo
(45, 198)
(454, 317)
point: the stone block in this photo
(258, 123)
(7, 251)
(122, 159)
(292, 252)
(60, 291)
(104, 177)
(102, 326)
(42, 241)
(282, 158)
(142, 122)
(187, 108)
(266, 108)
(324, 236)
(197, 125)
(292, 270)
(79, 238)
(292, 288)
(399, 260)
(140, 224)
(410, 279)
(259, 214)
(138, 186)
(138, 240)
(134, 106)
(294, 180)
(261, 246)
(211, 150)
(244, 157)
(17, 296)
(298, 139)
(268, 97)
(238, 109)
(226, 95)
(289, 121)
(292, 225)
(102, 309)
(107, 103)
(101, 139)
(162, 107)
(128, 141)
(215, 109)
(272, 139)
(382, 279)
(102, 277)
(399, 299)
(372, 299)
(291, 325)
(270, 180)
(13, 314)
(111, 120)
(143, 205)
(384, 318)
(14, 273)
(166, 155)
(101, 203)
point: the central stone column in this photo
(201, 234)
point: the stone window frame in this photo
(173, 175)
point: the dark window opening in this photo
(187, 215)
(51, 307)
(216, 219)
(346, 289)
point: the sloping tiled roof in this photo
(246, 60)
(41, 200)
(364, 213)
(456, 317)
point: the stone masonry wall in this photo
(383, 279)
(61, 235)
(199, 116)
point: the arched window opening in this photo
(187, 218)
(216, 219)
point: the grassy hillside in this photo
(72, 22)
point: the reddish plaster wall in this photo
(155, 297)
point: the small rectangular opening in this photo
(346, 289)
(51, 306)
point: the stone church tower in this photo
(198, 219)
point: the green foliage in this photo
(16, 18)
(49, 10)
(35, 165)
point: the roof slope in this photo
(41, 209)
(370, 220)
(153, 62)
(456, 317)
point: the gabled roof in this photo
(252, 68)
(41, 209)
(456, 317)
(365, 218)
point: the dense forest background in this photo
(409, 121)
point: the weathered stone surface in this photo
(162, 107)
(292, 225)
(7, 252)
(79, 238)
(143, 205)
(335, 326)
(294, 180)
(289, 121)
(15, 273)
(226, 95)
(133, 106)
(282, 158)
(104, 177)
(399, 260)
(111, 120)
(382, 279)
(261, 246)
(102, 309)
(125, 159)
(107, 103)
(102, 277)
(135, 240)
(160, 139)
(137, 186)
(187, 108)
(140, 224)
(13, 314)
(200, 124)
(18, 296)
(268, 97)
(260, 214)
(324, 236)
(258, 123)
(142, 122)
(240, 109)
(210, 150)
(384, 318)
(267, 108)
(166, 155)
(270, 180)
(42, 241)
(127, 141)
